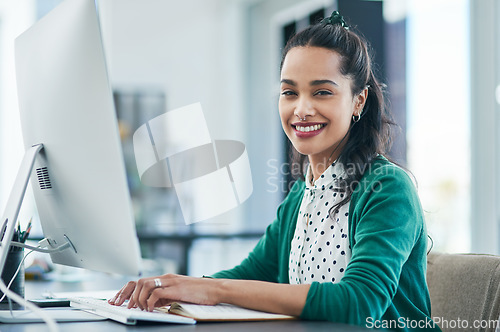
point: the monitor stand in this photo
(15, 200)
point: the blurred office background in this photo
(440, 59)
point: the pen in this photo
(15, 236)
(27, 232)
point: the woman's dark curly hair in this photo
(371, 135)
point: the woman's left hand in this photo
(148, 293)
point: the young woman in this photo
(349, 241)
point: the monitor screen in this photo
(66, 104)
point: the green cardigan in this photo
(384, 284)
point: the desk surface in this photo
(110, 326)
(100, 282)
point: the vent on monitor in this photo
(43, 178)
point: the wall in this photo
(15, 17)
(191, 50)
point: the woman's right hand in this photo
(148, 293)
(123, 294)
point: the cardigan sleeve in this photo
(264, 261)
(386, 222)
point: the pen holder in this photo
(14, 258)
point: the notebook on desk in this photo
(221, 313)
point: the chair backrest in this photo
(464, 291)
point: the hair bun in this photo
(335, 18)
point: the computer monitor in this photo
(66, 104)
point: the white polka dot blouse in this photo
(320, 249)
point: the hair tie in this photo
(335, 18)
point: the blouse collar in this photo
(329, 178)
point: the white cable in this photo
(45, 251)
(15, 274)
(51, 323)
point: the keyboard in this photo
(124, 315)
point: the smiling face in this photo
(316, 104)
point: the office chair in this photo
(464, 291)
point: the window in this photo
(438, 134)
